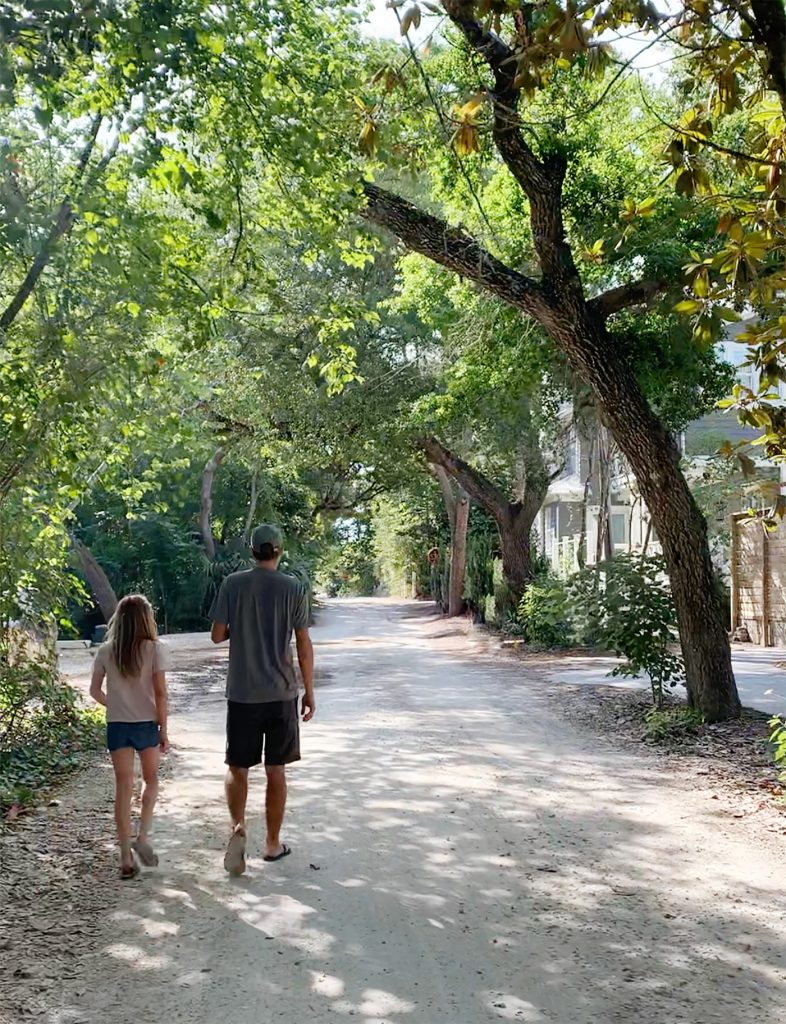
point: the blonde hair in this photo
(132, 624)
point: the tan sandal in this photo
(145, 852)
(235, 857)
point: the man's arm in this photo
(219, 615)
(219, 633)
(305, 657)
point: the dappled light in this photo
(452, 333)
(459, 856)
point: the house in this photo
(594, 477)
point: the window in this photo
(746, 375)
(571, 454)
(619, 528)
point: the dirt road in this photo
(460, 856)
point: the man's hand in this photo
(309, 706)
(163, 741)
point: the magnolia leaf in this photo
(411, 19)
(730, 315)
(688, 306)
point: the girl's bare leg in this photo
(123, 763)
(150, 760)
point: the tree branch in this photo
(206, 502)
(64, 218)
(635, 293)
(453, 249)
(474, 482)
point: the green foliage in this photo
(662, 724)
(158, 557)
(479, 583)
(625, 606)
(778, 741)
(44, 728)
(406, 526)
(544, 612)
(348, 567)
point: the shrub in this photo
(778, 741)
(544, 613)
(479, 581)
(44, 729)
(625, 606)
(668, 723)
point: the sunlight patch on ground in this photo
(510, 1007)
(378, 1003)
(281, 917)
(327, 985)
(137, 958)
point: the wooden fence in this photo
(758, 580)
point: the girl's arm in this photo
(159, 687)
(97, 684)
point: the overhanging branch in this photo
(452, 248)
(636, 293)
(474, 483)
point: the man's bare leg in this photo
(236, 788)
(275, 805)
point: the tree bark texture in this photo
(578, 326)
(102, 590)
(206, 502)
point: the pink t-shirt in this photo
(131, 698)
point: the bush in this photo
(668, 723)
(44, 729)
(778, 741)
(479, 579)
(625, 606)
(544, 613)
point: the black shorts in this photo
(274, 727)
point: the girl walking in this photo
(132, 661)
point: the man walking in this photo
(257, 611)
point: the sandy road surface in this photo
(460, 856)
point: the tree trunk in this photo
(458, 557)
(603, 548)
(581, 554)
(206, 502)
(514, 519)
(457, 509)
(655, 460)
(515, 534)
(100, 587)
(252, 508)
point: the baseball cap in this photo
(267, 533)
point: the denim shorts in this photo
(139, 735)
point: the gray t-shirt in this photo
(261, 607)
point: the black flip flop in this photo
(284, 853)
